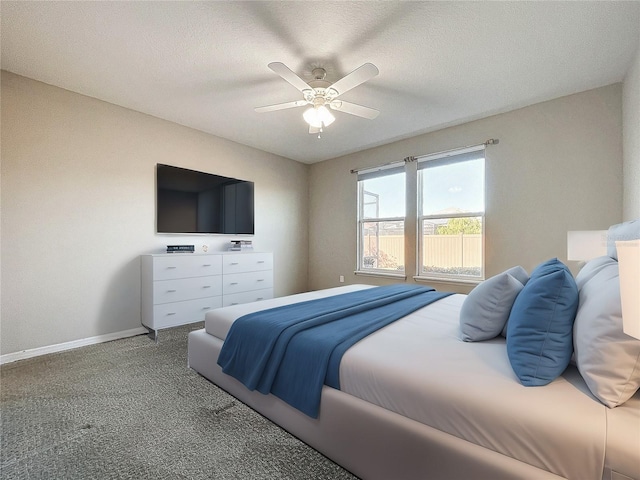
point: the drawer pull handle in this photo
(234, 303)
(234, 263)
(206, 286)
(259, 298)
(171, 313)
(260, 261)
(206, 265)
(260, 280)
(170, 291)
(169, 268)
(206, 308)
(233, 283)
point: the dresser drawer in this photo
(183, 265)
(246, 297)
(165, 291)
(247, 262)
(245, 282)
(180, 313)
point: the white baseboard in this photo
(60, 347)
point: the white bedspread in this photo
(420, 368)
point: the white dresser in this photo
(179, 288)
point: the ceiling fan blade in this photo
(313, 130)
(354, 109)
(286, 73)
(355, 78)
(280, 106)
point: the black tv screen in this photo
(188, 201)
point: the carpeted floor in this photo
(131, 409)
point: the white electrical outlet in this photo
(341, 278)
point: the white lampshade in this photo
(584, 245)
(325, 116)
(311, 117)
(629, 268)
(318, 117)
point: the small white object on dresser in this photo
(179, 288)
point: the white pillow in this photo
(486, 309)
(591, 269)
(607, 358)
(621, 231)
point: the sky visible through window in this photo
(391, 196)
(457, 187)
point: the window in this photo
(451, 215)
(381, 217)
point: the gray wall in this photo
(631, 140)
(78, 208)
(558, 167)
(77, 193)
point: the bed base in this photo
(369, 441)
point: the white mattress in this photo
(420, 368)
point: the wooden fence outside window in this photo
(444, 251)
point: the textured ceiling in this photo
(204, 64)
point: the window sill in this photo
(377, 273)
(451, 281)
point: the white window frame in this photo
(441, 158)
(389, 169)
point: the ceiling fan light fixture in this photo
(318, 116)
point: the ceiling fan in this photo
(320, 94)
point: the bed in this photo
(416, 401)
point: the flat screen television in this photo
(188, 201)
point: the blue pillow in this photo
(540, 327)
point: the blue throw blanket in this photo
(291, 351)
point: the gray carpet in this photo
(131, 409)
